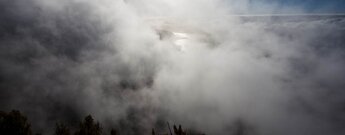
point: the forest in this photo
(16, 123)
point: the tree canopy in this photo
(14, 123)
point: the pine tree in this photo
(89, 127)
(14, 123)
(61, 129)
(113, 132)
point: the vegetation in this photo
(178, 131)
(14, 123)
(89, 127)
(61, 129)
(113, 132)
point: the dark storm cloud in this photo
(62, 60)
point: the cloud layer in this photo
(62, 60)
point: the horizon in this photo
(295, 6)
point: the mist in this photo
(136, 64)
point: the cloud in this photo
(62, 60)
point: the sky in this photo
(307, 6)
